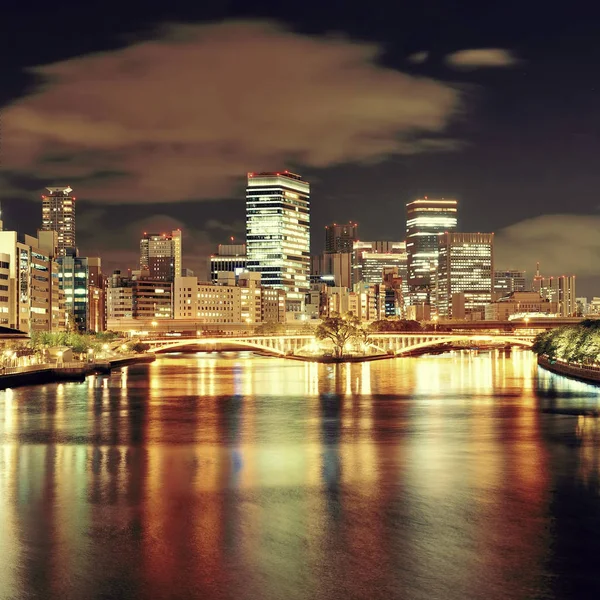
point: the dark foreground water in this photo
(246, 478)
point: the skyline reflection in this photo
(239, 476)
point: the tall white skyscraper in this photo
(58, 214)
(278, 233)
(425, 219)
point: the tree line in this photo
(573, 343)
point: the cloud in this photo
(563, 244)
(185, 115)
(418, 57)
(481, 58)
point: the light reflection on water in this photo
(204, 476)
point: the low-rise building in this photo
(520, 303)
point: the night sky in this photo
(154, 112)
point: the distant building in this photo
(160, 255)
(278, 233)
(339, 239)
(519, 304)
(506, 282)
(138, 298)
(58, 214)
(230, 258)
(425, 219)
(335, 267)
(81, 281)
(369, 259)
(465, 267)
(559, 289)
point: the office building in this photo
(58, 214)
(278, 233)
(160, 255)
(335, 268)
(30, 295)
(559, 289)
(464, 274)
(507, 282)
(371, 259)
(339, 239)
(230, 258)
(425, 219)
(74, 280)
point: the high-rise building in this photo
(464, 270)
(507, 282)
(339, 239)
(230, 258)
(425, 219)
(58, 214)
(160, 255)
(559, 289)
(278, 233)
(369, 259)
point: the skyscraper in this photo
(465, 267)
(278, 233)
(425, 219)
(339, 239)
(160, 255)
(58, 214)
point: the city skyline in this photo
(488, 129)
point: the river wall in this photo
(584, 373)
(71, 372)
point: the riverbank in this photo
(588, 374)
(74, 371)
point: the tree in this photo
(395, 325)
(270, 328)
(138, 347)
(340, 330)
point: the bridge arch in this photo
(433, 342)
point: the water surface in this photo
(239, 477)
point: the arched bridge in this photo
(397, 344)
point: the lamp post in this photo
(526, 319)
(435, 322)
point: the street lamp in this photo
(435, 321)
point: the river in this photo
(232, 476)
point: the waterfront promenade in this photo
(69, 371)
(589, 373)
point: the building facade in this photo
(425, 219)
(339, 239)
(58, 214)
(520, 305)
(278, 233)
(160, 255)
(30, 295)
(230, 258)
(507, 282)
(559, 289)
(464, 269)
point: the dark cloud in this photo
(184, 115)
